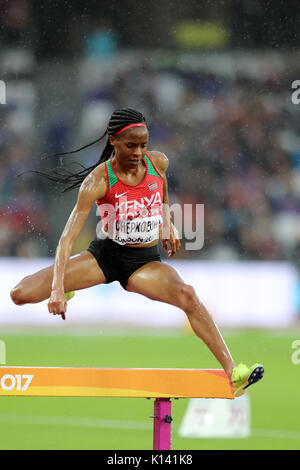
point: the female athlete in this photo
(129, 185)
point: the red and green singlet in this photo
(132, 214)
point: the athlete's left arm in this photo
(168, 234)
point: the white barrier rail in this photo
(239, 294)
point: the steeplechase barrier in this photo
(160, 384)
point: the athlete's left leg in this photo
(159, 281)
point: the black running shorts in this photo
(118, 262)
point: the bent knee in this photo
(16, 296)
(186, 297)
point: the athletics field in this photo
(124, 423)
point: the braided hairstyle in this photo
(119, 119)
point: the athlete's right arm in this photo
(92, 188)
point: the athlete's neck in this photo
(128, 167)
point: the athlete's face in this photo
(131, 145)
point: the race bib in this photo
(139, 230)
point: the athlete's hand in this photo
(170, 239)
(57, 304)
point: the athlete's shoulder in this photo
(100, 170)
(160, 160)
(96, 182)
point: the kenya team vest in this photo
(132, 214)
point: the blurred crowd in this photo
(231, 133)
(23, 221)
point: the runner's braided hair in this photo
(119, 119)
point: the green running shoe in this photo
(243, 376)
(69, 295)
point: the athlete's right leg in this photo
(82, 271)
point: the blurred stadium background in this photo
(214, 79)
